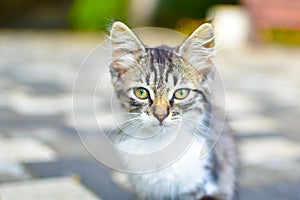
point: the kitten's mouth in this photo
(162, 124)
(160, 127)
(159, 124)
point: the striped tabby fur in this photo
(162, 71)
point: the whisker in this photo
(130, 129)
(199, 130)
(127, 113)
(117, 132)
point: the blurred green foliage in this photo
(96, 14)
(169, 12)
(281, 36)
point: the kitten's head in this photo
(162, 86)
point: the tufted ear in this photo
(199, 48)
(126, 48)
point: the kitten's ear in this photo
(126, 48)
(199, 48)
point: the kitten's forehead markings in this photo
(158, 72)
(161, 71)
(161, 60)
(168, 74)
(147, 79)
(175, 79)
(153, 71)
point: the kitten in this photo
(165, 89)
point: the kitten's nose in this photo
(160, 112)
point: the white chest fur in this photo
(183, 176)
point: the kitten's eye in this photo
(141, 93)
(181, 93)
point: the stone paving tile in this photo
(12, 171)
(91, 172)
(280, 191)
(261, 176)
(239, 104)
(269, 151)
(47, 189)
(41, 105)
(13, 123)
(263, 125)
(25, 150)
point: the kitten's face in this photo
(160, 86)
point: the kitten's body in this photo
(162, 72)
(190, 177)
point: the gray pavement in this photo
(39, 143)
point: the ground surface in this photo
(41, 151)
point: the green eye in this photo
(141, 93)
(181, 93)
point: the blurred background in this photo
(43, 44)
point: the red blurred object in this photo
(273, 14)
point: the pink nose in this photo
(160, 113)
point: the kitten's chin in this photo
(164, 124)
(150, 139)
(155, 128)
(167, 122)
